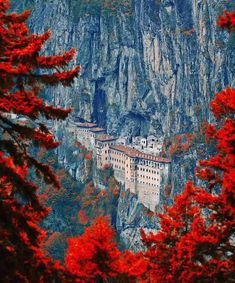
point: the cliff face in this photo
(148, 67)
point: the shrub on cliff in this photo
(196, 239)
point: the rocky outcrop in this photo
(148, 67)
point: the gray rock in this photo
(148, 69)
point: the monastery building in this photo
(137, 166)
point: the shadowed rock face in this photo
(148, 67)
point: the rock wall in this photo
(148, 67)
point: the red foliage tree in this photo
(175, 222)
(196, 239)
(23, 71)
(181, 144)
(130, 267)
(82, 219)
(227, 20)
(92, 256)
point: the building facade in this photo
(141, 173)
(102, 144)
(83, 133)
(134, 165)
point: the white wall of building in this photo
(141, 173)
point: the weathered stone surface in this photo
(148, 69)
(152, 70)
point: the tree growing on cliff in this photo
(196, 239)
(162, 247)
(23, 72)
(94, 256)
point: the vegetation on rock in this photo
(23, 72)
(196, 240)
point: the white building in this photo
(102, 143)
(122, 141)
(94, 133)
(83, 133)
(139, 142)
(141, 173)
(137, 166)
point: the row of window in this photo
(151, 163)
(148, 170)
(147, 177)
(138, 175)
(117, 160)
(147, 183)
(142, 162)
(153, 193)
(118, 167)
(117, 153)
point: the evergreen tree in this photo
(23, 72)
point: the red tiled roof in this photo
(131, 152)
(125, 149)
(97, 129)
(153, 157)
(105, 137)
(86, 125)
